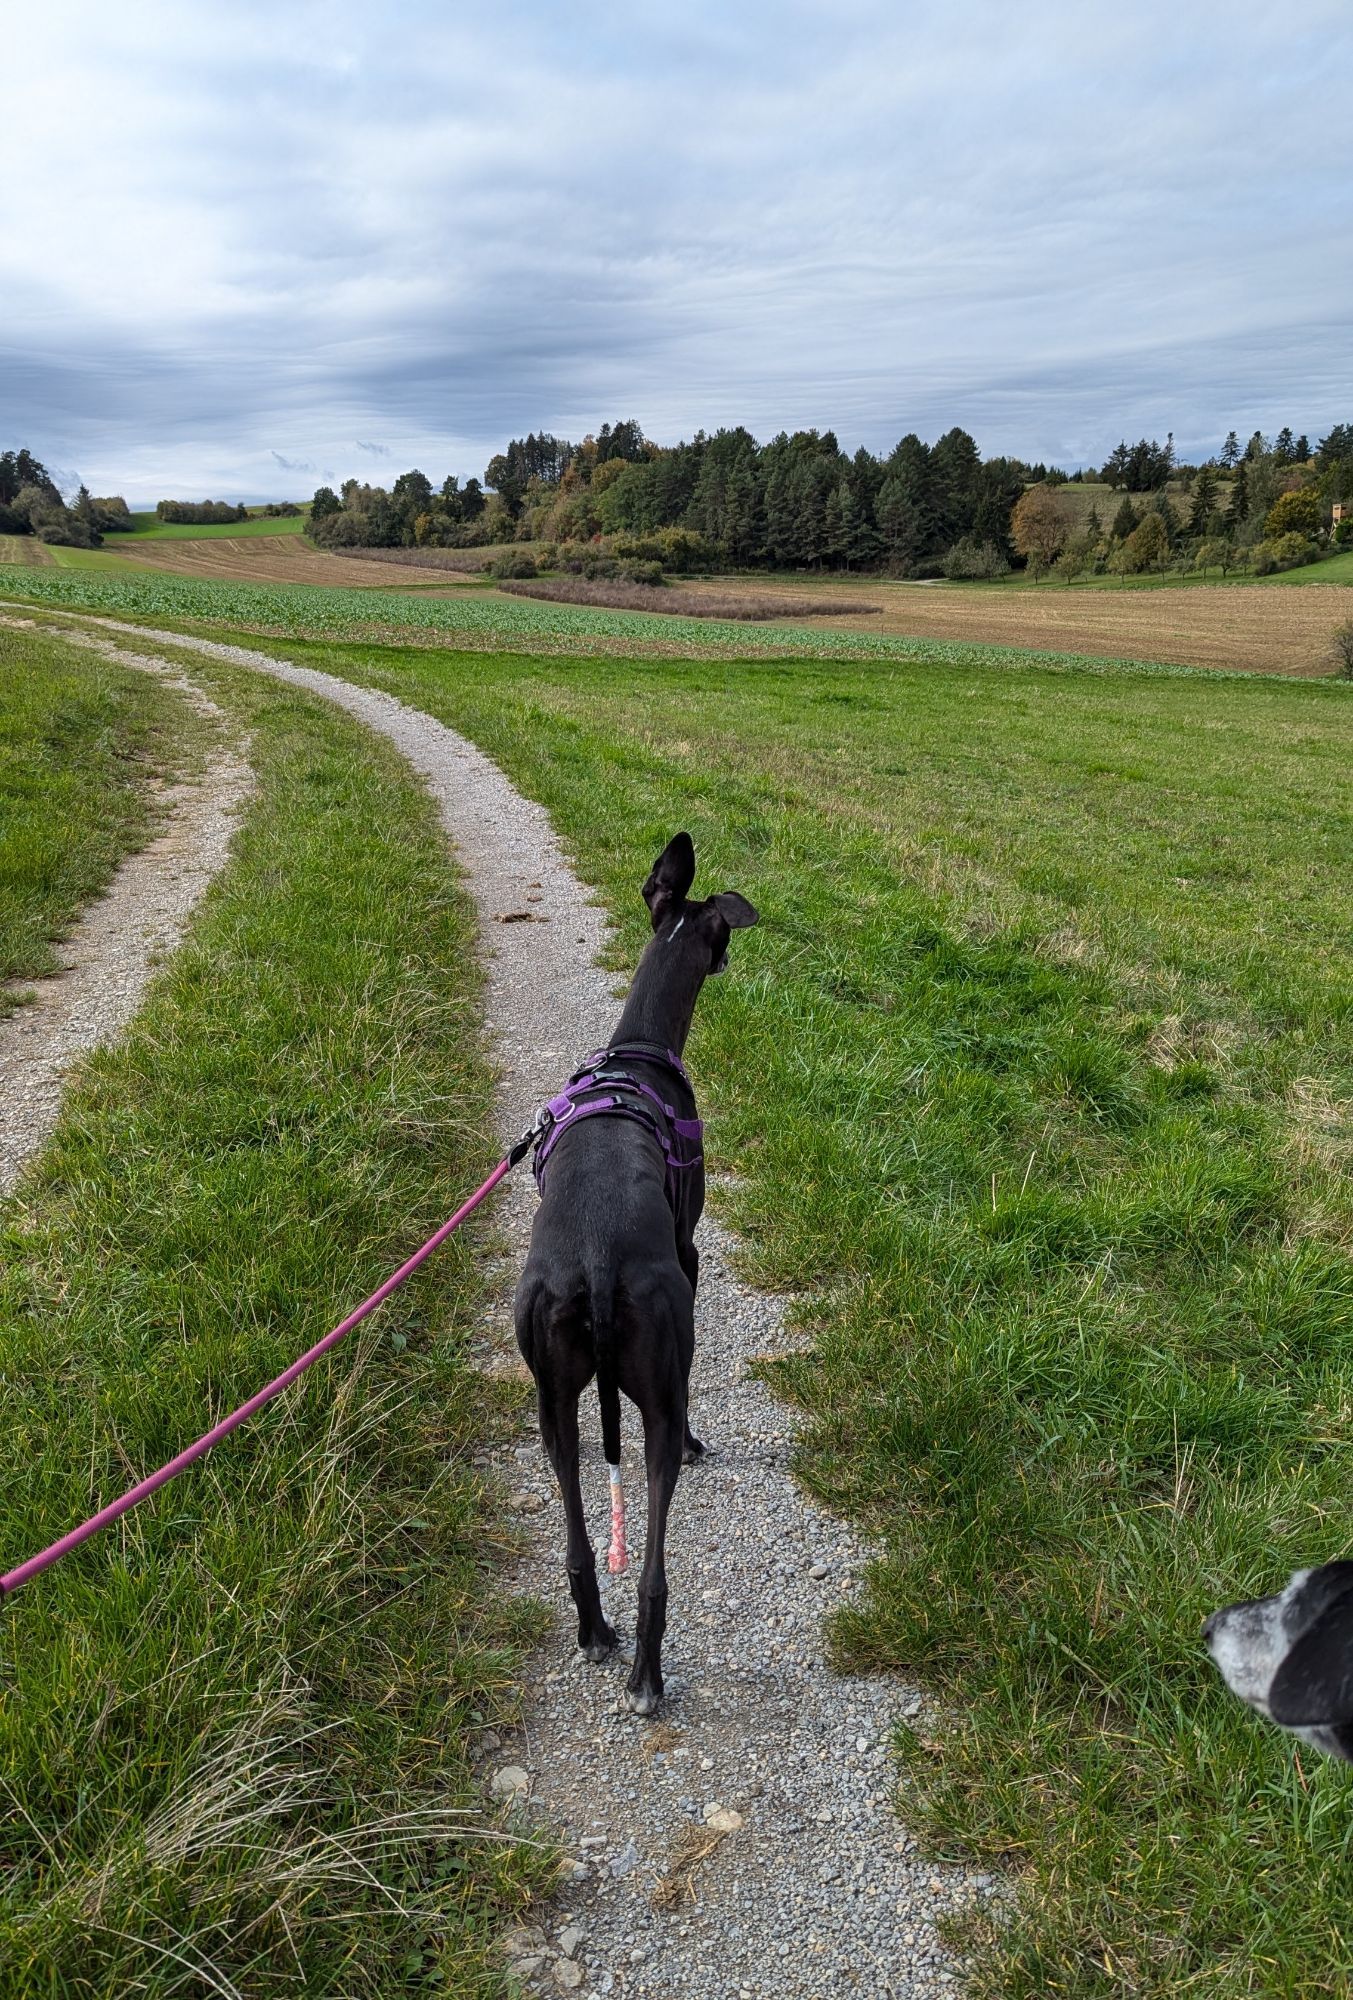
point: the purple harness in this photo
(597, 1090)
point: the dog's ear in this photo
(735, 910)
(1314, 1684)
(669, 883)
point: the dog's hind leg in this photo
(688, 1256)
(559, 1430)
(662, 1450)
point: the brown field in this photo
(24, 549)
(692, 602)
(274, 559)
(1243, 626)
(1222, 625)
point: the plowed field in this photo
(280, 559)
(1244, 626)
(25, 550)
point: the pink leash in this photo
(114, 1511)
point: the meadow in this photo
(148, 527)
(1037, 1083)
(234, 1733)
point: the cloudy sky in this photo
(249, 247)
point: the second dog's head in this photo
(1291, 1656)
(712, 920)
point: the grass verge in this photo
(1037, 1076)
(82, 744)
(232, 1731)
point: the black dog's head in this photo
(1291, 1656)
(713, 921)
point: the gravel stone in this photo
(820, 1890)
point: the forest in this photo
(799, 502)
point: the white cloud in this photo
(1055, 227)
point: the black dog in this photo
(1291, 1656)
(609, 1283)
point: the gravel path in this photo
(745, 1843)
(119, 941)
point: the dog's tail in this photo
(608, 1395)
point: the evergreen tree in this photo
(1230, 451)
(955, 476)
(1237, 511)
(900, 522)
(1302, 450)
(1257, 446)
(1284, 446)
(1116, 465)
(1124, 521)
(908, 467)
(998, 492)
(1204, 500)
(1094, 527)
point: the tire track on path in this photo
(120, 939)
(767, 1772)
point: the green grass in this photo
(1337, 569)
(81, 742)
(106, 561)
(1037, 1079)
(150, 528)
(1333, 569)
(232, 1751)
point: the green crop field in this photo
(150, 528)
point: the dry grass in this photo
(1221, 625)
(662, 1736)
(692, 1847)
(24, 550)
(690, 602)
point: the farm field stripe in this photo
(119, 940)
(497, 623)
(796, 1754)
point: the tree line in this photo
(200, 513)
(31, 504)
(800, 502)
(1266, 508)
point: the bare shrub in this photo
(615, 596)
(1341, 650)
(465, 561)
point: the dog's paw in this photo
(602, 1647)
